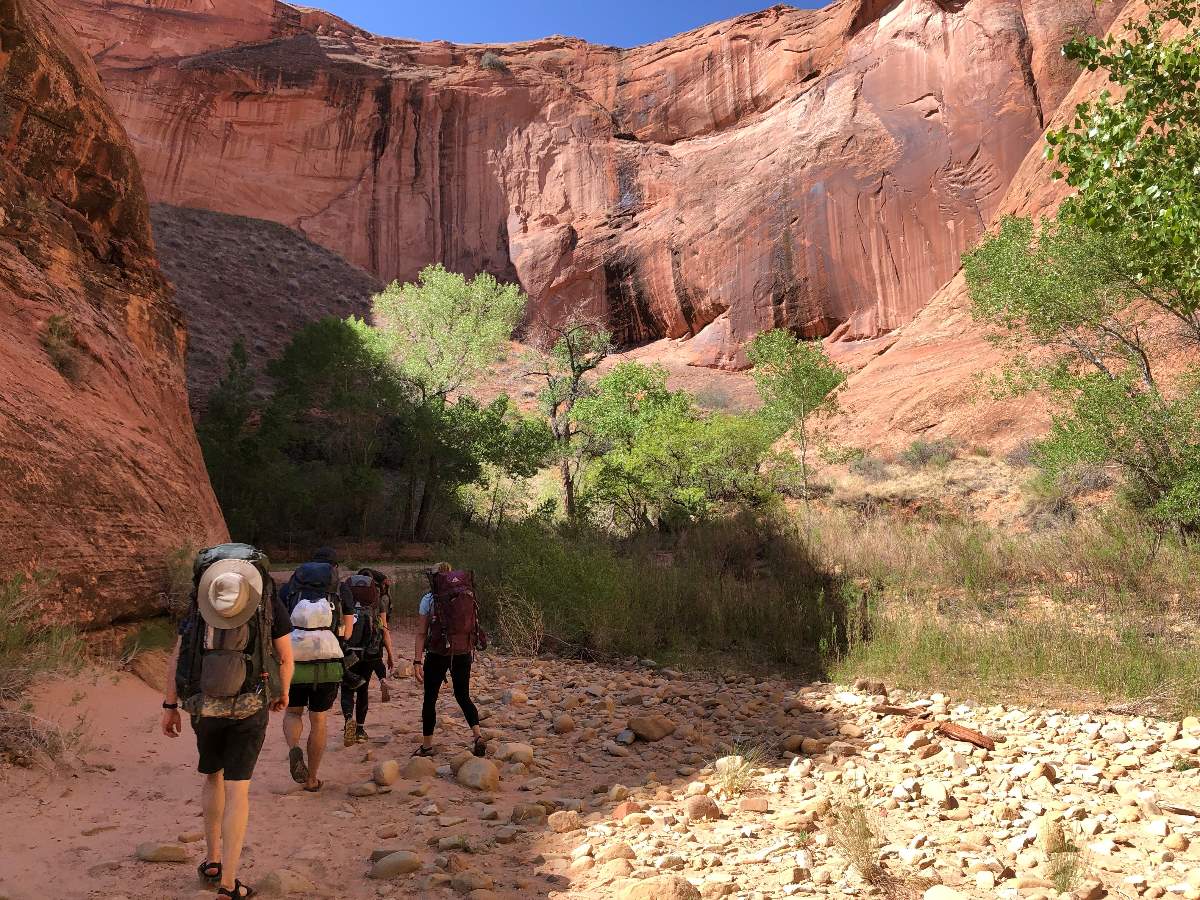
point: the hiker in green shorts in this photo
(322, 616)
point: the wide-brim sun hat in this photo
(229, 593)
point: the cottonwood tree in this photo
(797, 382)
(567, 354)
(443, 332)
(1102, 290)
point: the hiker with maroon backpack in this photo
(448, 634)
(368, 651)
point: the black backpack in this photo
(367, 634)
(191, 677)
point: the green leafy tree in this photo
(664, 463)
(442, 333)
(567, 355)
(445, 330)
(226, 430)
(797, 382)
(1083, 300)
(1134, 156)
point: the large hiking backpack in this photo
(367, 635)
(453, 627)
(228, 672)
(316, 617)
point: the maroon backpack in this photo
(454, 617)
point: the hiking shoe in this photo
(480, 747)
(297, 766)
(360, 734)
(423, 751)
(350, 734)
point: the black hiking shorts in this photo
(317, 698)
(230, 745)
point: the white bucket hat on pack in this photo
(229, 593)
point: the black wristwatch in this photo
(167, 705)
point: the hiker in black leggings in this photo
(430, 670)
(354, 702)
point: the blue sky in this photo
(624, 23)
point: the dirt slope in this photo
(248, 279)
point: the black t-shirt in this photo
(281, 619)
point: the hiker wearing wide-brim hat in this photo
(229, 593)
(232, 663)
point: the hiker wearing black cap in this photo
(448, 634)
(232, 662)
(322, 616)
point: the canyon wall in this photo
(100, 474)
(924, 380)
(819, 170)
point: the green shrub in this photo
(744, 587)
(870, 468)
(491, 61)
(62, 347)
(921, 454)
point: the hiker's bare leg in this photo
(233, 828)
(293, 726)
(213, 800)
(316, 744)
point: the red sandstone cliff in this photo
(100, 473)
(822, 170)
(924, 380)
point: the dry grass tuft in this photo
(521, 625)
(853, 834)
(734, 772)
(29, 650)
(62, 347)
(30, 741)
(1066, 869)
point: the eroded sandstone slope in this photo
(925, 380)
(822, 170)
(100, 473)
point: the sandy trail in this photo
(73, 834)
(1123, 787)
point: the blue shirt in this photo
(426, 605)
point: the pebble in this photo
(155, 852)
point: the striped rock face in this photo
(100, 473)
(820, 170)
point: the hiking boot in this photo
(297, 766)
(479, 748)
(423, 751)
(360, 734)
(350, 734)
